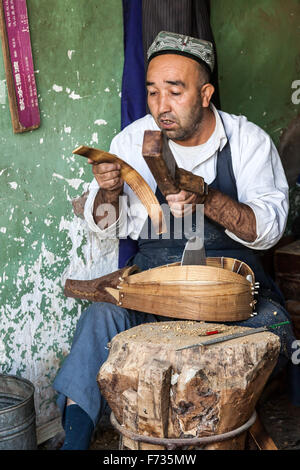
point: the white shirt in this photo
(260, 178)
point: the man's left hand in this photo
(182, 203)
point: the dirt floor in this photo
(280, 418)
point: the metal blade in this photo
(194, 252)
(221, 339)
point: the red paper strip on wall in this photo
(16, 47)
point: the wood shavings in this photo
(178, 333)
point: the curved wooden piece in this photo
(134, 180)
(94, 289)
(194, 273)
(229, 264)
(223, 308)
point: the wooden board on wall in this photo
(18, 63)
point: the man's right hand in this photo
(107, 175)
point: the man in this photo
(246, 209)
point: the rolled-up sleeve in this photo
(118, 228)
(261, 184)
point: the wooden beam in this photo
(261, 437)
(12, 100)
(48, 430)
(18, 64)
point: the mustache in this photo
(168, 117)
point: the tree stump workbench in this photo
(155, 390)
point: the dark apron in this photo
(153, 252)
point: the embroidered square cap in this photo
(173, 43)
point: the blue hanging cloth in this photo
(133, 101)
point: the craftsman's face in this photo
(174, 96)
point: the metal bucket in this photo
(17, 414)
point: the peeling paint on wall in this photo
(74, 96)
(70, 53)
(94, 138)
(75, 182)
(57, 88)
(2, 91)
(100, 122)
(41, 241)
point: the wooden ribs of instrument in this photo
(210, 293)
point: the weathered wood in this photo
(134, 180)
(261, 437)
(169, 180)
(189, 182)
(287, 258)
(153, 397)
(213, 389)
(46, 431)
(130, 418)
(287, 270)
(153, 155)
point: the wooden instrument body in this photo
(211, 293)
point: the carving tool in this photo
(171, 180)
(162, 164)
(221, 339)
(194, 252)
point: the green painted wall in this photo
(259, 59)
(78, 57)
